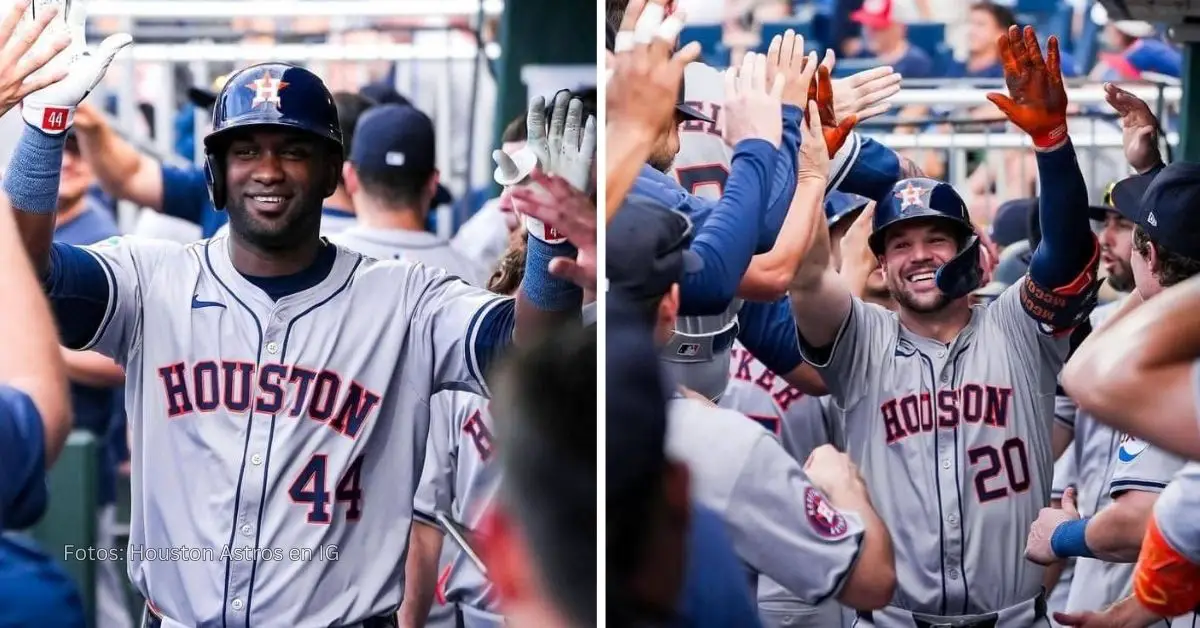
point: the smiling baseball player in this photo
(948, 408)
(271, 451)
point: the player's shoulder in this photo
(458, 402)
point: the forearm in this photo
(92, 369)
(1060, 438)
(30, 340)
(626, 150)
(31, 184)
(115, 162)
(771, 273)
(865, 167)
(856, 271)
(1068, 245)
(1115, 533)
(420, 574)
(872, 582)
(545, 301)
(783, 184)
(1129, 613)
(727, 240)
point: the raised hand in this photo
(814, 155)
(1037, 100)
(821, 91)
(570, 214)
(752, 110)
(1139, 128)
(786, 58)
(646, 72)
(865, 94)
(15, 70)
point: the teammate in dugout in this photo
(947, 407)
(236, 369)
(1165, 254)
(812, 530)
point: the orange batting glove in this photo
(1165, 581)
(821, 90)
(1037, 100)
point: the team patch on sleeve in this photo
(825, 520)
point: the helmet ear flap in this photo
(961, 275)
(214, 172)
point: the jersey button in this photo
(945, 464)
(952, 520)
(237, 604)
(246, 529)
(941, 354)
(256, 459)
(953, 573)
(272, 347)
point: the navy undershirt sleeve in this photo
(79, 291)
(768, 332)
(727, 239)
(1068, 244)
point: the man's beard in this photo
(661, 161)
(909, 302)
(1121, 279)
(275, 236)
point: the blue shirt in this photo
(716, 590)
(914, 64)
(186, 196)
(959, 69)
(34, 588)
(95, 409)
(23, 494)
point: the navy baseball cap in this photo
(647, 249)
(394, 138)
(1011, 223)
(382, 94)
(1169, 208)
(1124, 197)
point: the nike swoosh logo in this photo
(197, 303)
(1125, 456)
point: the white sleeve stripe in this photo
(111, 308)
(473, 365)
(844, 160)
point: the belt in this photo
(988, 620)
(151, 619)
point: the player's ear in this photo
(432, 183)
(349, 179)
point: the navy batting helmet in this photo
(839, 205)
(921, 198)
(270, 95)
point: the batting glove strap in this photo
(1070, 539)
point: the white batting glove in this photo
(513, 171)
(535, 128)
(52, 109)
(575, 154)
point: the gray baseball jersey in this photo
(702, 165)
(954, 441)
(1064, 476)
(413, 246)
(458, 480)
(780, 524)
(797, 420)
(760, 394)
(276, 445)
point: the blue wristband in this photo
(34, 172)
(545, 291)
(1070, 539)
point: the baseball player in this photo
(817, 537)
(947, 408)
(1112, 535)
(1167, 568)
(238, 378)
(455, 480)
(1095, 445)
(391, 177)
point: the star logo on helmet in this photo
(266, 89)
(911, 195)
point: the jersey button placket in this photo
(949, 480)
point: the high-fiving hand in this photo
(821, 92)
(752, 108)
(1037, 99)
(1139, 128)
(52, 108)
(16, 69)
